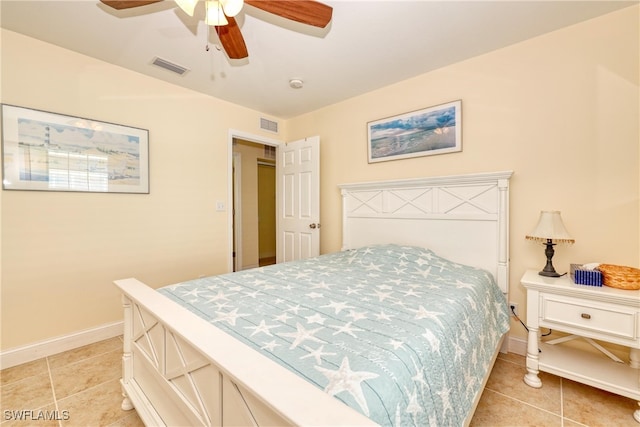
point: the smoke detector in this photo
(295, 83)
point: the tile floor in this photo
(81, 388)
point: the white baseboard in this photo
(518, 346)
(19, 355)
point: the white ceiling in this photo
(368, 44)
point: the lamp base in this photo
(549, 273)
(548, 270)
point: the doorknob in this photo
(314, 225)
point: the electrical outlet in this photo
(513, 308)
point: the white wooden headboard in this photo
(464, 218)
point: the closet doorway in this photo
(254, 204)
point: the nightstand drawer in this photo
(601, 318)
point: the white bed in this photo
(178, 369)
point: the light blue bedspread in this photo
(397, 333)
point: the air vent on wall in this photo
(269, 152)
(175, 68)
(269, 125)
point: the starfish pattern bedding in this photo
(396, 332)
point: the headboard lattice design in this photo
(462, 217)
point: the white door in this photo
(298, 199)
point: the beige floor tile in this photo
(85, 352)
(132, 420)
(76, 377)
(20, 372)
(507, 379)
(497, 410)
(594, 407)
(513, 358)
(96, 406)
(27, 394)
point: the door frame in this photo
(237, 134)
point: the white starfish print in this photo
(294, 309)
(384, 316)
(262, 327)
(338, 306)
(253, 294)
(320, 285)
(229, 317)
(458, 350)
(316, 318)
(317, 354)
(423, 313)
(282, 317)
(217, 297)
(373, 266)
(314, 295)
(395, 343)
(271, 345)
(301, 335)
(424, 273)
(433, 341)
(412, 293)
(193, 292)
(413, 407)
(357, 315)
(462, 285)
(444, 395)
(381, 295)
(422, 262)
(346, 329)
(344, 379)
(473, 304)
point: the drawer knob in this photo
(585, 316)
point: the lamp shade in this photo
(550, 227)
(232, 7)
(187, 6)
(215, 14)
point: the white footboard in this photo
(179, 370)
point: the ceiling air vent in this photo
(175, 68)
(268, 125)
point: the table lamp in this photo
(550, 230)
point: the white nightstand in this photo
(589, 312)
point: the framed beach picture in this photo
(54, 152)
(433, 130)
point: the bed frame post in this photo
(345, 242)
(503, 239)
(127, 357)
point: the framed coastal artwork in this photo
(55, 152)
(433, 130)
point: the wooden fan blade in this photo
(232, 40)
(305, 11)
(128, 4)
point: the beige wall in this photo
(560, 110)
(61, 251)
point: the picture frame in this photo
(55, 152)
(426, 132)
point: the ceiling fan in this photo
(220, 14)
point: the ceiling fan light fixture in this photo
(215, 14)
(232, 7)
(187, 6)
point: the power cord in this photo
(513, 311)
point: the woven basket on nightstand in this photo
(621, 277)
